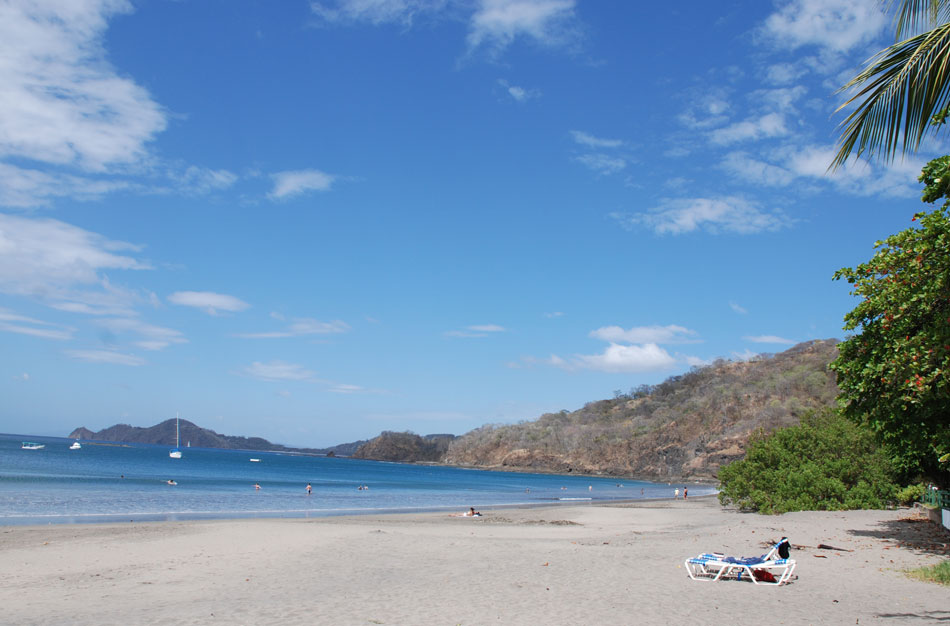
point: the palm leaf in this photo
(913, 16)
(898, 94)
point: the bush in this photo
(825, 463)
(910, 494)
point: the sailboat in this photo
(175, 453)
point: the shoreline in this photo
(300, 514)
(607, 563)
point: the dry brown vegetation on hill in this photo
(687, 426)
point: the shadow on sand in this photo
(932, 616)
(912, 532)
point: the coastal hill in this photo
(164, 434)
(686, 427)
(405, 447)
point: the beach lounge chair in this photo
(774, 565)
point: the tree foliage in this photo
(827, 462)
(893, 374)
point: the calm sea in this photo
(109, 482)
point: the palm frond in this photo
(914, 16)
(898, 93)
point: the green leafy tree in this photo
(827, 462)
(904, 88)
(893, 374)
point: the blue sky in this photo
(312, 222)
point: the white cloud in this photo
(768, 339)
(281, 371)
(781, 99)
(202, 180)
(590, 141)
(838, 25)
(376, 11)
(784, 73)
(294, 183)
(477, 330)
(519, 94)
(791, 163)
(151, 337)
(745, 355)
(553, 314)
(208, 301)
(553, 360)
(344, 388)
(602, 163)
(27, 188)
(61, 264)
(630, 350)
(487, 328)
(714, 215)
(493, 24)
(644, 334)
(497, 23)
(620, 358)
(105, 356)
(278, 370)
(11, 322)
(300, 327)
(737, 308)
(707, 112)
(61, 102)
(745, 167)
(764, 127)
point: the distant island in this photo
(192, 434)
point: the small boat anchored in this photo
(30, 445)
(175, 453)
(76, 445)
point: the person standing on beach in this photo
(676, 493)
(309, 489)
(684, 492)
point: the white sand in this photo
(598, 565)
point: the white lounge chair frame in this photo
(714, 566)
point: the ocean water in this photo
(119, 482)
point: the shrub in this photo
(910, 494)
(825, 463)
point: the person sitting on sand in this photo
(471, 512)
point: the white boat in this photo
(29, 445)
(175, 453)
(255, 460)
(76, 445)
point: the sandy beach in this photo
(610, 564)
